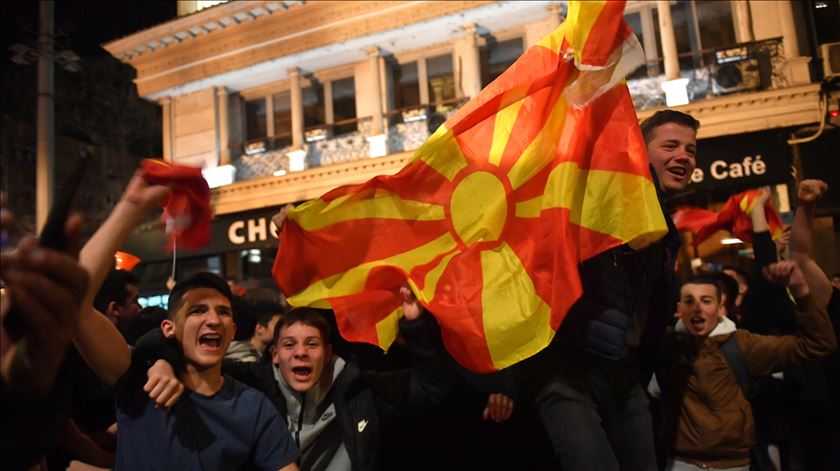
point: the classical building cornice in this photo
(770, 109)
(247, 44)
(301, 186)
(238, 35)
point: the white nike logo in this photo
(361, 425)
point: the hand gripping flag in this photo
(735, 217)
(186, 214)
(490, 218)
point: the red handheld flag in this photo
(186, 214)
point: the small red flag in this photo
(735, 217)
(186, 215)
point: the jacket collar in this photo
(724, 327)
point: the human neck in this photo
(203, 381)
(258, 344)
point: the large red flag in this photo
(487, 223)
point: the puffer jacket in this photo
(707, 419)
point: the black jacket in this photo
(620, 285)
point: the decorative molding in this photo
(316, 24)
(301, 186)
(757, 111)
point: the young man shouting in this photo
(708, 420)
(218, 423)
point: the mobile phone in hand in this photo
(52, 236)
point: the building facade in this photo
(280, 101)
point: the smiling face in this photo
(699, 308)
(301, 355)
(672, 153)
(203, 326)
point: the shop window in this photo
(441, 78)
(255, 120)
(282, 119)
(496, 57)
(344, 105)
(406, 85)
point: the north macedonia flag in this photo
(488, 221)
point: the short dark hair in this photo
(264, 311)
(114, 289)
(667, 116)
(244, 317)
(199, 280)
(306, 316)
(703, 279)
(149, 318)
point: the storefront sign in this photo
(228, 232)
(742, 161)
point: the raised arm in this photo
(802, 240)
(432, 374)
(97, 339)
(814, 337)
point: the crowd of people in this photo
(727, 369)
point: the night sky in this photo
(82, 26)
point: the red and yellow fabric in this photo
(735, 217)
(489, 220)
(186, 214)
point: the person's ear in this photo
(168, 328)
(275, 355)
(112, 310)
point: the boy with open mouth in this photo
(708, 422)
(218, 423)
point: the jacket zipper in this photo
(300, 421)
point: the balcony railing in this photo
(343, 141)
(739, 68)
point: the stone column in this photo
(328, 102)
(296, 96)
(470, 72)
(423, 80)
(789, 39)
(669, 42)
(269, 115)
(649, 41)
(222, 125)
(166, 111)
(742, 21)
(796, 66)
(376, 90)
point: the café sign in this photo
(742, 161)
